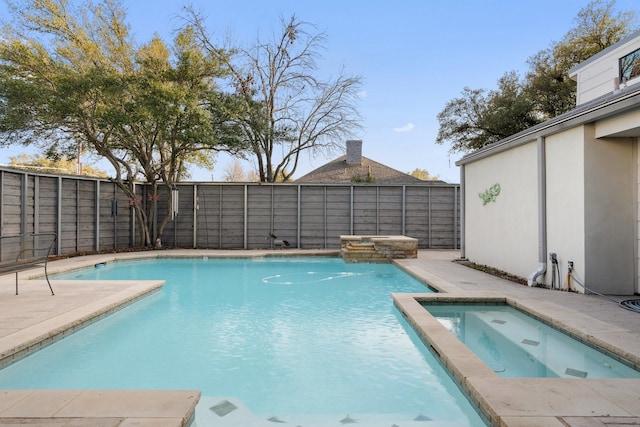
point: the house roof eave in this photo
(605, 106)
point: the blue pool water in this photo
(280, 335)
(514, 344)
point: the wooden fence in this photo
(93, 214)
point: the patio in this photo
(35, 315)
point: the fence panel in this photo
(338, 214)
(182, 225)
(390, 211)
(285, 214)
(47, 202)
(108, 216)
(232, 217)
(208, 216)
(30, 220)
(312, 217)
(11, 203)
(365, 210)
(417, 215)
(86, 215)
(67, 235)
(92, 214)
(259, 216)
(442, 218)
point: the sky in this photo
(412, 55)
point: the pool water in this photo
(516, 345)
(280, 336)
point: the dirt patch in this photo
(493, 271)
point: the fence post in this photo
(246, 215)
(404, 210)
(351, 211)
(59, 218)
(77, 215)
(132, 215)
(377, 210)
(36, 204)
(114, 215)
(195, 216)
(97, 217)
(220, 210)
(325, 217)
(299, 233)
(271, 219)
(23, 204)
(429, 217)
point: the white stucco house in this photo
(566, 190)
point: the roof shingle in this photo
(338, 171)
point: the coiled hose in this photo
(630, 304)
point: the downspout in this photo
(542, 214)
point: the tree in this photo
(479, 118)
(423, 174)
(43, 164)
(597, 26)
(234, 172)
(282, 107)
(72, 78)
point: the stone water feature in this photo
(377, 248)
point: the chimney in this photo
(354, 152)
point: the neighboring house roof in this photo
(338, 171)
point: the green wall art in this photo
(491, 194)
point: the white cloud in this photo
(362, 94)
(405, 128)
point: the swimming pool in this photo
(284, 337)
(516, 345)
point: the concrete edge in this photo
(35, 337)
(473, 375)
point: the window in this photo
(630, 66)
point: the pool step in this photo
(231, 412)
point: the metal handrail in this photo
(21, 263)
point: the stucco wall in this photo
(591, 208)
(565, 201)
(609, 214)
(503, 233)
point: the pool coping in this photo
(22, 343)
(107, 408)
(505, 402)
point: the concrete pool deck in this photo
(35, 318)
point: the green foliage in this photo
(74, 76)
(597, 27)
(369, 178)
(479, 118)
